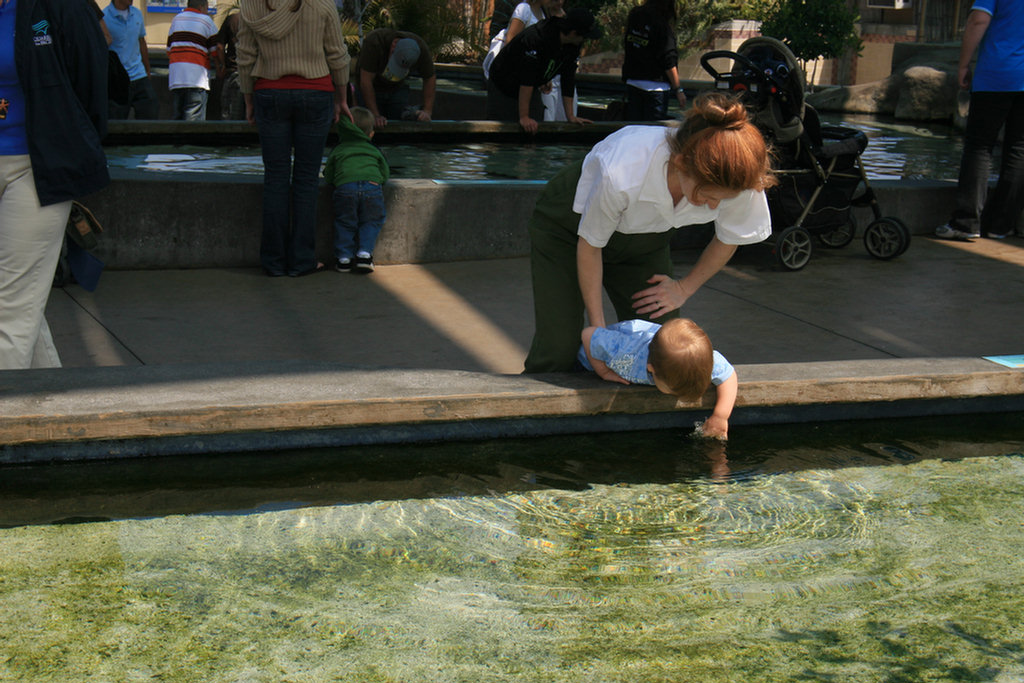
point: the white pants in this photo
(30, 241)
(554, 109)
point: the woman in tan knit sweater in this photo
(293, 70)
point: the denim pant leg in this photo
(346, 219)
(371, 215)
(273, 119)
(313, 112)
(190, 104)
(985, 118)
(232, 102)
(659, 105)
(1003, 209)
(291, 120)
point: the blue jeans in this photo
(190, 104)
(358, 217)
(989, 112)
(291, 121)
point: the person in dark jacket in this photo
(540, 52)
(53, 115)
(649, 65)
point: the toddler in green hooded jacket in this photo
(358, 171)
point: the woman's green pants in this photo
(629, 261)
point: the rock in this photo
(914, 91)
(925, 93)
(869, 98)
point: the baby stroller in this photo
(818, 166)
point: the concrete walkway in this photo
(230, 359)
(940, 299)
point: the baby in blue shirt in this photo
(676, 357)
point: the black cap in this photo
(580, 20)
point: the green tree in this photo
(695, 17)
(812, 29)
(439, 22)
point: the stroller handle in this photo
(727, 77)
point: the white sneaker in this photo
(947, 232)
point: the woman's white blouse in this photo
(624, 188)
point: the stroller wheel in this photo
(793, 247)
(886, 238)
(906, 232)
(839, 236)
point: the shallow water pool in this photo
(895, 151)
(866, 552)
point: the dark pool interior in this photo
(261, 481)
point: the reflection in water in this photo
(899, 151)
(895, 151)
(890, 557)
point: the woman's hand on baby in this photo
(664, 297)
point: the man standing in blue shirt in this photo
(997, 100)
(128, 31)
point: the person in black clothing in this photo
(232, 103)
(649, 68)
(535, 56)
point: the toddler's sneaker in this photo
(948, 232)
(343, 265)
(364, 264)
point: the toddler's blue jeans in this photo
(358, 217)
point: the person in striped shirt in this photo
(191, 45)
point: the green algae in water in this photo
(865, 573)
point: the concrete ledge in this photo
(160, 220)
(165, 220)
(89, 413)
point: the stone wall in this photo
(156, 220)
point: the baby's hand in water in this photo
(712, 428)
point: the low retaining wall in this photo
(165, 220)
(92, 413)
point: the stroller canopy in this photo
(768, 77)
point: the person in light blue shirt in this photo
(128, 32)
(995, 30)
(676, 357)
